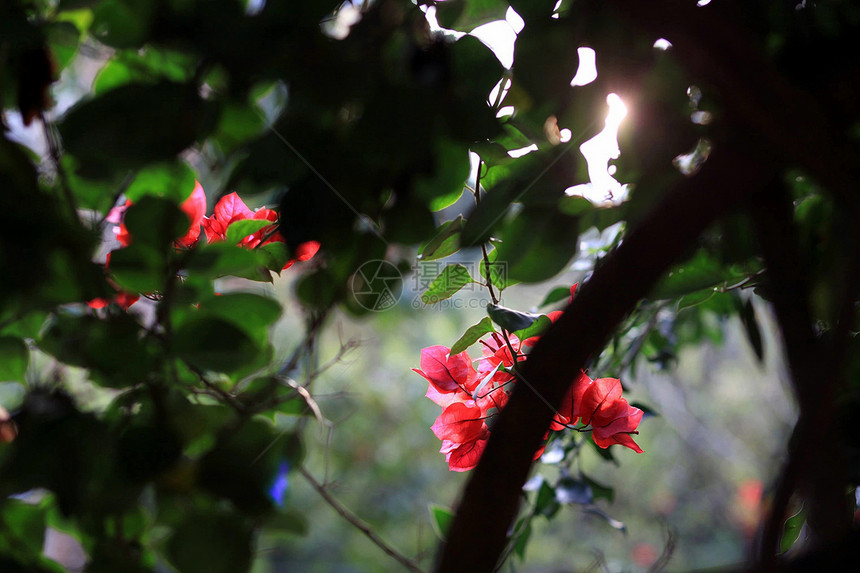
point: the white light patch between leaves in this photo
(598, 152)
(587, 70)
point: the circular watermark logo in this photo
(377, 285)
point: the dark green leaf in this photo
(450, 280)
(138, 268)
(537, 328)
(699, 273)
(538, 244)
(122, 23)
(250, 312)
(509, 319)
(288, 521)
(441, 519)
(112, 348)
(751, 327)
(546, 503)
(211, 543)
(220, 259)
(522, 541)
(451, 169)
(133, 125)
(498, 271)
(695, 298)
(14, 358)
(572, 490)
(445, 242)
(472, 334)
(156, 222)
(791, 530)
(212, 343)
(599, 490)
(555, 295)
(488, 214)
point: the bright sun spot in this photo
(587, 70)
(598, 152)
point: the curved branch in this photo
(491, 498)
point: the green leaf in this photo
(14, 358)
(122, 23)
(598, 489)
(489, 213)
(238, 125)
(447, 13)
(536, 328)
(211, 543)
(555, 295)
(498, 271)
(572, 490)
(156, 222)
(112, 348)
(472, 334)
(220, 259)
(441, 519)
(212, 343)
(509, 319)
(134, 125)
(522, 541)
(245, 463)
(288, 521)
(238, 230)
(538, 243)
(450, 280)
(695, 298)
(445, 242)
(274, 255)
(751, 327)
(25, 529)
(63, 38)
(250, 312)
(173, 181)
(447, 182)
(138, 268)
(699, 273)
(546, 503)
(791, 530)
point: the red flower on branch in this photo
(470, 398)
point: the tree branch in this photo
(359, 524)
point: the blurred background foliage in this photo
(156, 438)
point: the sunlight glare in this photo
(515, 20)
(598, 152)
(499, 36)
(587, 70)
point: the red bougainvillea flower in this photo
(565, 416)
(471, 398)
(195, 208)
(228, 209)
(460, 422)
(447, 374)
(613, 420)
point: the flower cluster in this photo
(229, 209)
(470, 398)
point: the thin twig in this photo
(356, 522)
